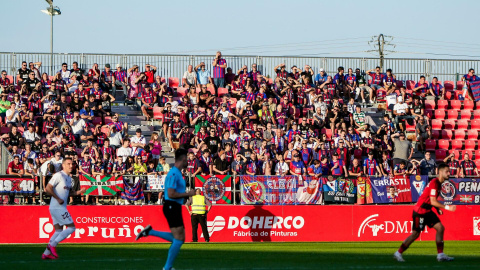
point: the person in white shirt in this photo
(115, 137)
(65, 73)
(125, 151)
(73, 84)
(77, 124)
(281, 169)
(12, 117)
(241, 103)
(189, 77)
(30, 135)
(60, 187)
(138, 141)
(400, 110)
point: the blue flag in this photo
(132, 193)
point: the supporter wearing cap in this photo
(321, 77)
(337, 166)
(107, 78)
(266, 116)
(297, 166)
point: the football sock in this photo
(62, 236)
(172, 253)
(440, 247)
(402, 248)
(164, 235)
(52, 239)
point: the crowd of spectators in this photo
(296, 123)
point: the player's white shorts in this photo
(61, 216)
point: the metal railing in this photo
(176, 65)
(5, 158)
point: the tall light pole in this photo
(52, 11)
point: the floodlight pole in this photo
(51, 40)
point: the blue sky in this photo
(420, 29)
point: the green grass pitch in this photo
(232, 256)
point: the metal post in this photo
(51, 40)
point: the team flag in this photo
(364, 191)
(475, 87)
(132, 193)
(216, 188)
(103, 185)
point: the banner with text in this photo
(281, 190)
(216, 188)
(339, 190)
(460, 191)
(155, 182)
(101, 185)
(395, 189)
(14, 185)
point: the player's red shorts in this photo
(419, 221)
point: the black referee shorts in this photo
(173, 214)
(420, 221)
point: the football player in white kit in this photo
(60, 187)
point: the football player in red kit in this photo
(424, 216)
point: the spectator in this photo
(321, 77)
(403, 148)
(423, 132)
(189, 77)
(436, 89)
(150, 71)
(400, 110)
(121, 80)
(362, 87)
(453, 164)
(421, 88)
(22, 73)
(219, 66)
(428, 166)
(15, 167)
(468, 168)
(470, 76)
(377, 79)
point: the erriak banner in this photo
(120, 224)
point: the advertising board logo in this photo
(45, 227)
(448, 191)
(386, 226)
(213, 188)
(476, 225)
(215, 225)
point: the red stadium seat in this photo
(436, 124)
(431, 145)
(439, 114)
(222, 91)
(440, 154)
(457, 144)
(410, 84)
(443, 144)
(328, 132)
(459, 134)
(456, 154)
(448, 85)
(97, 121)
(469, 152)
(429, 104)
(462, 124)
(173, 82)
(466, 114)
(429, 114)
(409, 127)
(456, 104)
(181, 91)
(452, 114)
(449, 124)
(476, 114)
(108, 120)
(470, 145)
(442, 104)
(157, 113)
(381, 94)
(460, 85)
(446, 134)
(475, 124)
(105, 130)
(477, 163)
(399, 83)
(459, 93)
(472, 134)
(468, 105)
(477, 105)
(449, 95)
(477, 154)
(436, 134)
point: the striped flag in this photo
(475, 88)
(133, 193)
(102, 185)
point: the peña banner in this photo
(460, 191)
(216, 188)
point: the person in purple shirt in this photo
(471, 77)
(219, 66)
(436, 89)
(254, 73)
(421, 87)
